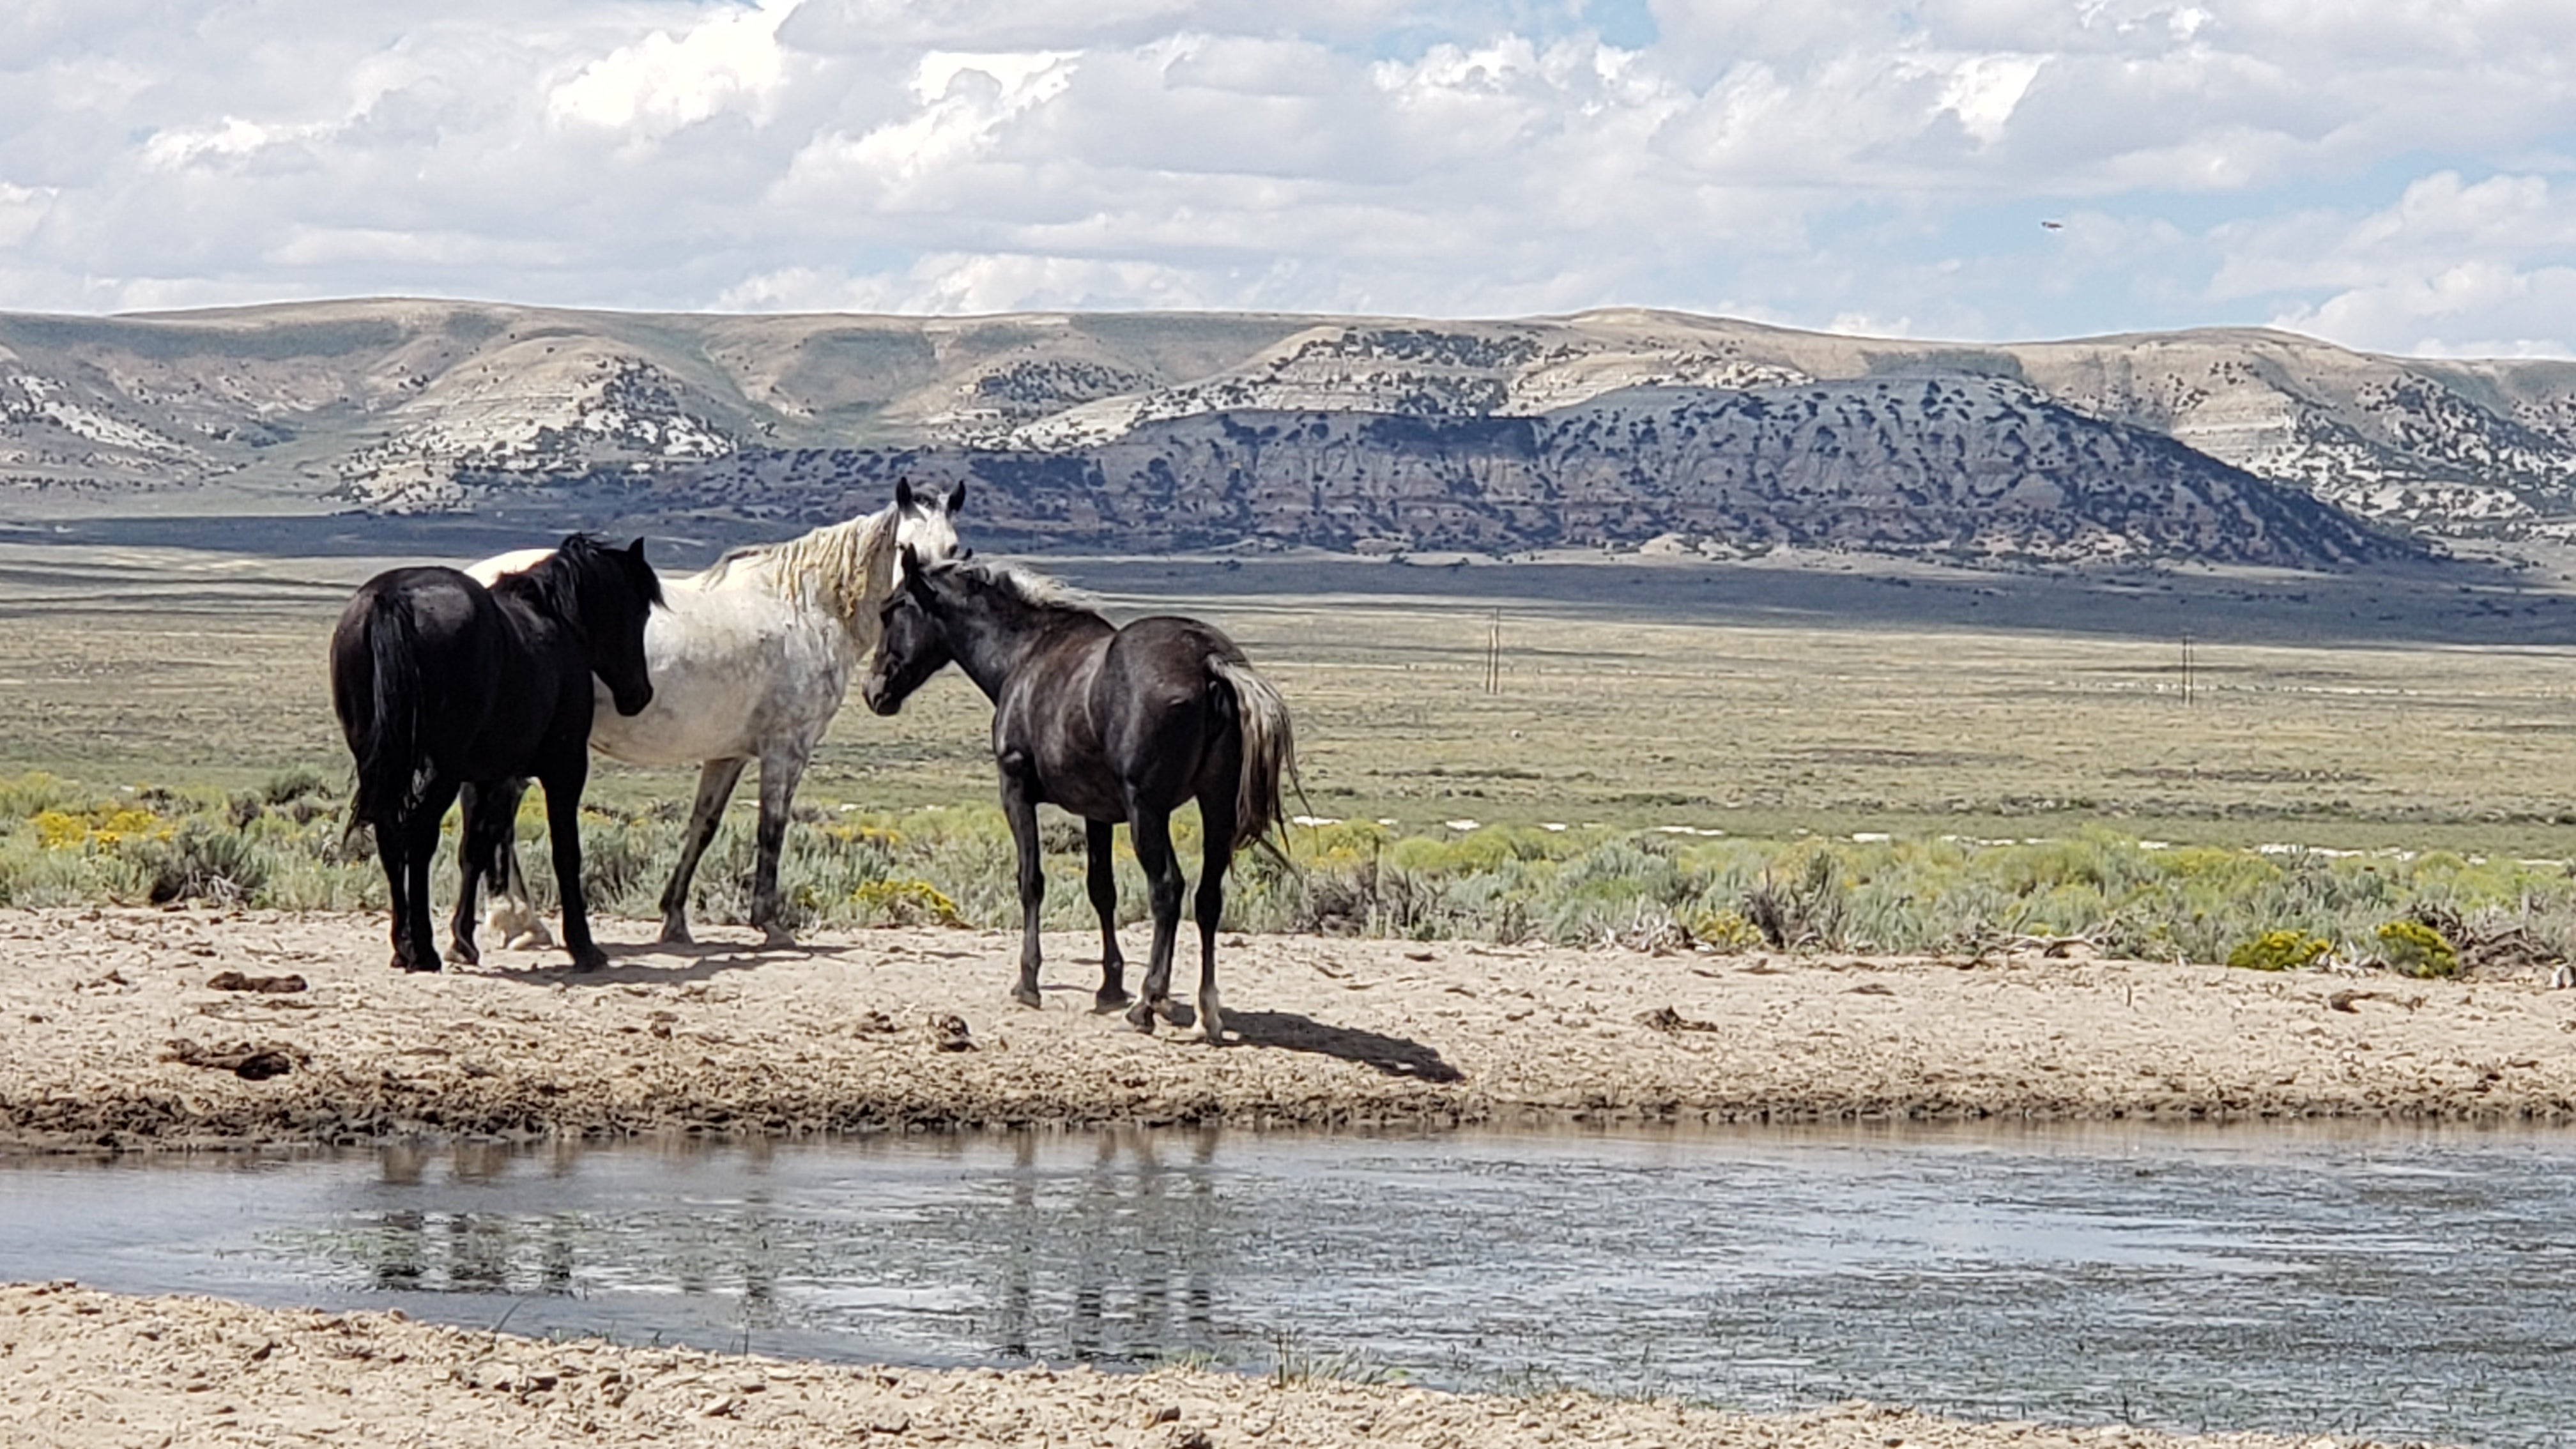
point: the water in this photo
(2400, 1283)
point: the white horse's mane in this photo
(851, 565)
(1030, 587)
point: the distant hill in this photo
(1617, 428)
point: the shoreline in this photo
(117, 1039)
(81, 1368)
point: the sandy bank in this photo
(110, 1034)
(80, 1368)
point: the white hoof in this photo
(1211, 1018)
(518, 928)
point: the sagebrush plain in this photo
(1908, 757)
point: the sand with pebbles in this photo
(126, 1028)
(80, 1368)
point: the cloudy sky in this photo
(2391, 174)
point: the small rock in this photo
(268, 985)
(948, 1033)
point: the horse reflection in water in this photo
(471, 1252)
(1145, 1220)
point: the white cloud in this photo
(230, 139)
(661, 83)
(2380, 170)
(22, 209)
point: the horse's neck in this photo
(998, 637)
(830, 570)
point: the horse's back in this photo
(439, 610)
(737, 667)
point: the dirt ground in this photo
(80, 1369)
(132, 1028)
(137, 1029)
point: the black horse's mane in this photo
(581, 563)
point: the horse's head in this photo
(615, 593)
(912, 643)
(927, 523)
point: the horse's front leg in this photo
(1151, 832)
(563, 783)
(778, 776)
(1103, 881)
(1216, 816)
(1020, 807)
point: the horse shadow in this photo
(633, 964)
(1395, 1056)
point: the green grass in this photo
(283, 845)
(1758, 728)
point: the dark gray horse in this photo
(1112, 725)
(440, 683)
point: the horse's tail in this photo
(386, 734)
(1269, 755)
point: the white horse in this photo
(749, 661)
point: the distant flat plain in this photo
(1834, 695)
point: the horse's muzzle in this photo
(873, 690)
(633, 704)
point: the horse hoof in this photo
(1141, 1017)
(1027, 997)
(676, 933)
(461, 954)
(1174, 1012)
(1104, 1002)
(776, 938)
(589, 960)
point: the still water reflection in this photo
(2396, 1282)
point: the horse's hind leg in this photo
(473, 859)
(1103, 881)
(420, 850)
(392, 836)
(513, 918)
(483, 849)
(1151, 831)
(778, 776)
(716, 779)
(1216, 816)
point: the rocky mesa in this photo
(1618, 428)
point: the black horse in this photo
(1112, 725)
(441, 683)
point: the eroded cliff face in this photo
(1613, 427)
(1957, 467)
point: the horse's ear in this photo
(957, 498)
(912, 568)
(637, 549)
(903, 494)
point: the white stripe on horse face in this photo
(929, 532)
